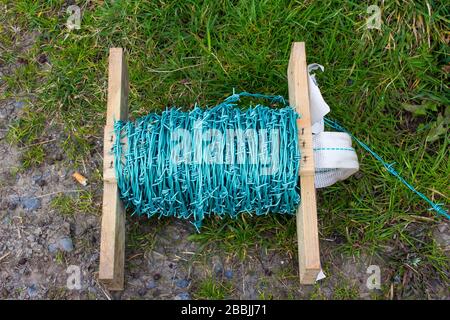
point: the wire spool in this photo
(220, 161)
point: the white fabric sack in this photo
(334, 157)
(318, 107)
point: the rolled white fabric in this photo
(334, 157)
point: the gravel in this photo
(183, 296)
(31, 203)
(66, 244)
(151, 284)
(228, 274)
(182, 283)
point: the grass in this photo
(197, 51)
(33, 156)
(68, 205)
(345, 292)
(212, 288)
(138, 240)
(59, 257)
(239, 236)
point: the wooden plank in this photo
(117, 108)
(307, 230)
(112, 246)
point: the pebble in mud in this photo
(182, 283)
(32, 290)
(19, 105)
(151, 284)
(52, 247)
(183, 296)
(66, 244)
(31, 203)
(228, 274)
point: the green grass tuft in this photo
(214, 289)
(345, 292)
(68, 205)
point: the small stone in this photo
(19, 105)
(22, 261)
(228, 274)
(52, 247)
(156, 276)
(142, 291)
(182, 283)
(31, 203)
(151, 284)
(218, 269)
(183, 296)
(32, 290)
(66, 244)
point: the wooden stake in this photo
(307, 231)
(112, 246)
